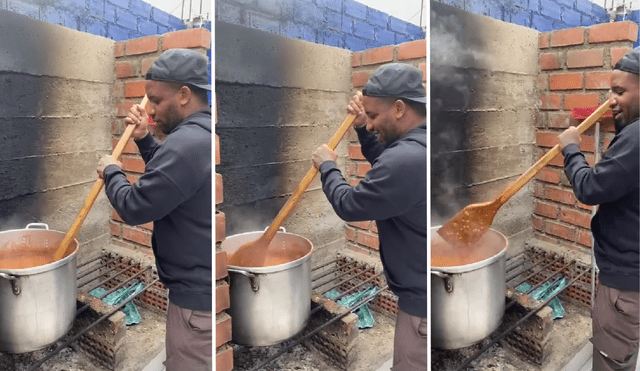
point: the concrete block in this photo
(355, 44)
(363, 30)
(126, 20)
(480, 7)
(355, 9)
(550, 9)
(402, 38)
(141, 8)
(96, 28)
(310, 15)
(263, 23)
(117, 33)
(571, 17)
(521, 17)
(332, 39)
(74, 5)
(541, 23)
(147, 27)
(459, 37)
(160, 16)
(584, 6)
(333, 20)
(347, 24)
(599, 12)
(109, 12)
(228, 13)
(96, 8)
(378, 18)
(53, 15)
(278, 61)
(534, 6)
(385, 37)
(272, 7)
(293, 30)
(80, 48)
(335, 5)
(496, 11)
(124, 4)
(567, 4)
(19, 7)
(415, 31)
(397, 25)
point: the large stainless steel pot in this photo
(270, 304)
(467, 301)
(38, 304)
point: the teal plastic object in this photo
(115, 298)
(365, 318)
(544, 292)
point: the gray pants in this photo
(189, 340)
(410, 347)
(616, 329)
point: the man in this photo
(613, 184)
(391, 126)
(175, 193)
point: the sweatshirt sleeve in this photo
(615, 175)
(147, 147)
(388, 189)
(369, 144)
(172, 176)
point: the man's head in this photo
(625, 89)
(394, 99)
(177, 85)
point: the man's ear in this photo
(400, 108)
(185, 95)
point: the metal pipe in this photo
(338, 277)
(82, 264)
(514, 326)
(357, 286)
(84, 274)
(539, 271)
(324, 265)
(110, 278)
(75, 337)
(315, 331)
(332, 271)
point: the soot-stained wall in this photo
(483, 104)
(278, 100)
(56, 112)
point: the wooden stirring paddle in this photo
(95, 191)
(254, 254)
(469, 224)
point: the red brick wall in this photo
(574, 72)
(133, 59)
(363, 236)
(224, 351)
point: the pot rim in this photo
(45, 267)
(271, 268)
(473, 266)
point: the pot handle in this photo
(15, 283)
(252, 277)
(279, 229)
(448, 285)
(37, 226)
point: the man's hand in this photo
(356, 108)
(569, 136)
(138, 116)
(322, 154)
(104, 162)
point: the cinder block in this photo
(96, 28)
(550, 9)
(332, 39)
(355, 9)
(584, 6)
(541, 23)
(161, 17)
(333, 19)
(335, 5)
(117, 33)
(521, 17)
(310, 15)
(347, 24)
(397, 25)
(363, 30)
(263, 23)
(147, 27)
(141, 9)
(378, 18)
(570, 17)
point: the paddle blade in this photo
(469, 224)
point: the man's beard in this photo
(172, 120)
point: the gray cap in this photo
(630, 62)
(183, 66)
(397, 80)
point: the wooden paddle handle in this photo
(95, 191)
(544, 160)
(297, 194)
